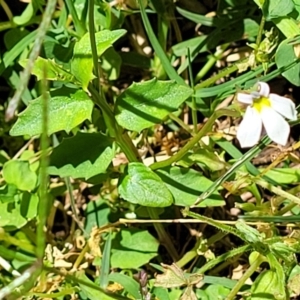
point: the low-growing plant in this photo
(124, 169)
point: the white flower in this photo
(266, 111)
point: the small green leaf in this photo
(27, 14)
(11, 217)
(49, 68)
(140, 185)
(97, 214)
(133, 248)
(82, 62)
(88, 290)
(29, 205)
(207, 158)
(67, 109)
(147, 103)
(82, 156)
(16, 214)
(130, 285)
(277, 8)
(7, 193)
(216, 291)
(284, 175)
(285, 55)
(18, 172)
(267, 286)
(186, 185)
(111, 63)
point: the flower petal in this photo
(276, 126)
(249, 131)
(264, 89)
(284, 106)
(245, 98)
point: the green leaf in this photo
(133, 248)
(284, 176)
(111, 63)
(82, 156)
(16, 214)
(205, 157)
(97, 214)
(147, 103)
(27, 14)
(216, 291)
(129, 284)
(29, 205)
(89, 291)
(277, 8)
(266, 286)
(49, 68)
(105, 265)
(285, 55)
(10, 217)
(140, 185)
(82, 62)
(18, 172)
(186, 185)
(10, 56)
(8, 193)
(67, 109)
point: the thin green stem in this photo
(190, 255)
(194, 104)
(249, 155)
(26, 74)
(211, 62)
(260, 31)
(93, 42)
(204, 130)
(162, 234)
(73, 204)
(245, 276)
(220, 226)
(277, 190)
(181, 123)
(80, 28)
(212, 80)
(278, 200)
(223, 257)
(43, 189)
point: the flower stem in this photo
(246, 275)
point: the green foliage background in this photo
(117, 180)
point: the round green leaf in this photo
(142, 186)
(67, 109)
(18, 172)
(147, 103)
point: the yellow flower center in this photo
(260, 103)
